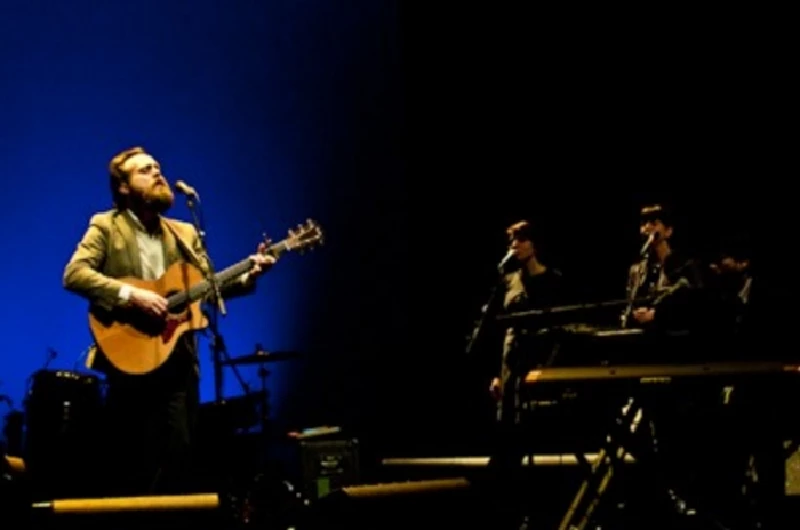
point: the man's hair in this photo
(522, 230)
(737, 245)
(118, 176)
(657, 212)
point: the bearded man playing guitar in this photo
(151, 412)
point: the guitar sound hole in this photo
(147, 324)
(154, 326)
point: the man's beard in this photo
(158, 199)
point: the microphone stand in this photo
(51, 354)
(220, 351)
(478, 331)
(218, 307)
(641, 277)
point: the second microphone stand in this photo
(490, 308)
(638, 279)
(487, 313)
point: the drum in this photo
(62, 415)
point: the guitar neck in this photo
(201, 289)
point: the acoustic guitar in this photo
(137, 343)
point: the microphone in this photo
(502, 265)
(647, 244)
(187, 190)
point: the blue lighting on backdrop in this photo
(250, 102)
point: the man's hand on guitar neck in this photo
(261, 262)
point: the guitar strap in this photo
(184, 247)
(192, 256)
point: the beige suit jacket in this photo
(108, 251)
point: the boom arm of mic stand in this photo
(478, 332)
(210, 276)
(218, 302)
(641, 277)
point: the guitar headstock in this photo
(304, 236)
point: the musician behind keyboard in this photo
(730, 282)
(662, 273)
(526, 283)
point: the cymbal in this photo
(263, 357)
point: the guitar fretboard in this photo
(202, 288)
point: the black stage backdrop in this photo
(507, 117)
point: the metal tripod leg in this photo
(594, 487)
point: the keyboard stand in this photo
(593, 489)
(678, 453)
(633, 431)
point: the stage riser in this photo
(429, 504)
(137, 521)
(406, 504)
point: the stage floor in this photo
(434, 492)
